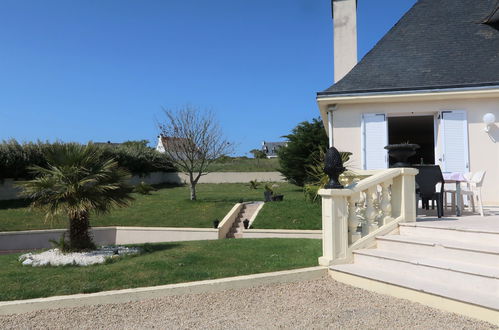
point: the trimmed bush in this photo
(136, 157)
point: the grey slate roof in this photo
(271, 148)
(437, 44)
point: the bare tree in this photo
(192, 139)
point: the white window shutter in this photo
(374, 140)
(454, 127)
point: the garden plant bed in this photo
(169, 206)
(161, 263)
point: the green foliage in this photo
(254, 184)
(76, 181)
(61, 243)
(310, 191)
(143, 188)
(305, 143)
(258, 154)
(135, 156)
(15, 158)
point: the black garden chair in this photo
(426, 187)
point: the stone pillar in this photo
(334, 226)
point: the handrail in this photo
(379, 178)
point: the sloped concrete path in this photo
(322, 303)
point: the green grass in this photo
(161, 263)
(246, 165)
(294, 212)
(171, 207)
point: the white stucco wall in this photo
(483, 146)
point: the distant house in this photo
(270, 148)
(179, 148)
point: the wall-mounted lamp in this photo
(488, 119)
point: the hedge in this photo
(137, 157)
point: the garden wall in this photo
(39, 239)
(9, 191)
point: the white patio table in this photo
(457, 178)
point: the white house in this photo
(431, 80)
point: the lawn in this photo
(294, 212)
(160, 263)
(246, 165)
(170, 206)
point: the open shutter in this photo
(454, 127)
(374, 140)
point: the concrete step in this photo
(461, 293)
(439, 248)
(439, 271)
(451, 232)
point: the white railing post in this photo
(353, 220)
(404, 195)
(386, 202)
(334, 226)
(370, 211)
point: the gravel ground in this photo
(322, 303)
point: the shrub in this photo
(305, 143)
(254, 184)
(143, 188)
(136, 157)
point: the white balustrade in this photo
(377, 203)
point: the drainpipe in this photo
(330, 110)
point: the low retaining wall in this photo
(227, 222)
(139, 235)
(39, 239)
(8, 190)
(282, 233)
(214, 177)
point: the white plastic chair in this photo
(450, 188)
(474, 190)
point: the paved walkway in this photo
(318, 304)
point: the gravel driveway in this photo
(322, 303)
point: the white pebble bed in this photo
(54, 257)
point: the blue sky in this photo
(102, 70)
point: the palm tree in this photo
(77, 181)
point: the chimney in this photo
(345, 36)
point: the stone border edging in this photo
(128, 295)
(282, 233)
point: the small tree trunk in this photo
(79, 235)
(193, 191)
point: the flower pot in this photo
(246, 224)
(401, 152)
(216, 223)
(267, 196)
(277, 198)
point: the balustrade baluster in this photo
(386, 202)
(353, 220)
(370, 211)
